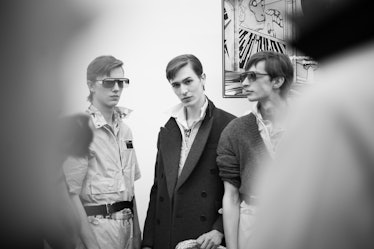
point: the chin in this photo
(251, 98)
(112, 104)
(189, 104)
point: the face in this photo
(107, 97)
(189, 87)
(262, 87)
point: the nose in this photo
(184, 89)
(115, 87)
(246, 82)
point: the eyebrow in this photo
(183, 80)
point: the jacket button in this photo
(202, 218)
(158, 222)
(161, 198)
(204, 194)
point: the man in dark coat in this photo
(187, 191)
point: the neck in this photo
(193, 112)
(106, 111)
(273, 109)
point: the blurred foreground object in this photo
(320, 192)
(75, 135)
(61, 228)
(35, 35)
(341, 25)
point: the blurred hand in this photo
(210, 240)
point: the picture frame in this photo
(250, 26)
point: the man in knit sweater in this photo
(248, 140)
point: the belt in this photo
(107, 209)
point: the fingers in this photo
(210, 240)
(206, 243)
(202, 241)
(210, 245)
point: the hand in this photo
(210, 240)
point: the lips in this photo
(186, 99)
(246, 91)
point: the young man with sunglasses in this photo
(102, 184)
(248, 141)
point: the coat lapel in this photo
(171, 140)
(197, 147)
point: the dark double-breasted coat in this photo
(185, 207)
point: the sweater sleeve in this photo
(228, 158)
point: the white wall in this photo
(146, 35)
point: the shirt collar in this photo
(259, 119)
(99, 120)
(178, 112)
(262, 123)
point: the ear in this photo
(203, 78)
(91, 85)
(278, 82)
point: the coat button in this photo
(204, 194)
(161, 198)
(202, 218)
(158, 222)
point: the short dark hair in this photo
(101, 66)
(180, 61)
(276, 65)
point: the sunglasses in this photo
(250, 75)
(110, 82)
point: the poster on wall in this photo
(250, 26)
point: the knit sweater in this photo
(240, 153)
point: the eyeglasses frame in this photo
(125, 82)
(245, 75)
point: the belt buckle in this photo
(107, 206)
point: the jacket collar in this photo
(99, 120)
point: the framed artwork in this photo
(250, 26)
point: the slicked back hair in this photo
(180, 61)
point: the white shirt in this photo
(269, 134)
(188, 133)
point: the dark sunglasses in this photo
(250, 75)
(110, 82)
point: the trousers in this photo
(113, 232)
